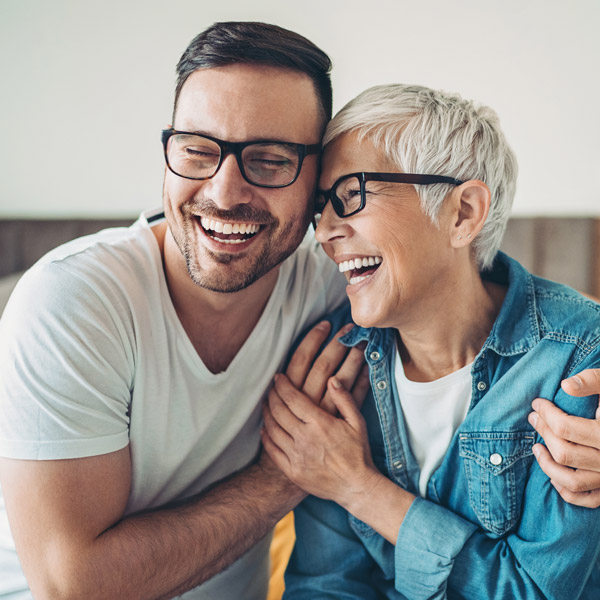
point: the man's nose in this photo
(228, 187)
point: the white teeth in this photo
(358, 263)
(228, 241)
(355, 280)
(228, 228)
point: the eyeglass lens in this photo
(263, 163)
(348, 195)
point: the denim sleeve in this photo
(328, 561)
(553, 552)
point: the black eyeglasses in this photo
(269, 164)
(348, 194)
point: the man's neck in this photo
(218, 324)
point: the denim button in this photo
(481, 386)
(381, 385)
(375, 356)
(397, 464)
(496, 459)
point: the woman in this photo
(435, 488)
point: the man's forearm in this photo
(163, 553)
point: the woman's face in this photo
(412, 253)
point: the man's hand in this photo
(571, 457)
(309, 373)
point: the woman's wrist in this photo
(382, 505)
(360, 491)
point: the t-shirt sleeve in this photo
(66, 364)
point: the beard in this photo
(232, 272)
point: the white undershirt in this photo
(432, 410)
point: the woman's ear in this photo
(470, 203)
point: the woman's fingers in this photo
(345, 404)
(291, 407)
(361, 386)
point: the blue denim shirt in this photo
(488, 528)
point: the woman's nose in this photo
(329, 225)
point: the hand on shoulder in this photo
(571, 457)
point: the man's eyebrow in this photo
(258, 140)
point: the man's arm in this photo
(571, 457)
(66, 518)
(73, 541)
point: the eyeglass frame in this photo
(236, 148)
(363, 177)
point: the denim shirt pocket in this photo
(496, 465)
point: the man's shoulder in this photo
(101, 269)
(115, 242)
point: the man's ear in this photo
(470, 203)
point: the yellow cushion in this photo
(281, 549)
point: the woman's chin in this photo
(362, 316)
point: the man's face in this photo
(241, 103)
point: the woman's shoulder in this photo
(565, 311)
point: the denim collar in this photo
(516, 329)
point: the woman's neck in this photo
(457, 324)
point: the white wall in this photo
(87, 86)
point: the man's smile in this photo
(228, 233)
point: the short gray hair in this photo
(432, 132)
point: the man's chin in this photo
(225, 283)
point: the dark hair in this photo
(234, 42)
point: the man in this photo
(134, 361)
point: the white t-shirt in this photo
(93, 357)
(432, 411)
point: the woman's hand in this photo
(325, 455)
(571, 457)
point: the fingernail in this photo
(575, 381)
(335, 382)
(323, 325)
(536, 451)
(535, 404)
(347, 328)
(532, 418)
(276, 377)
